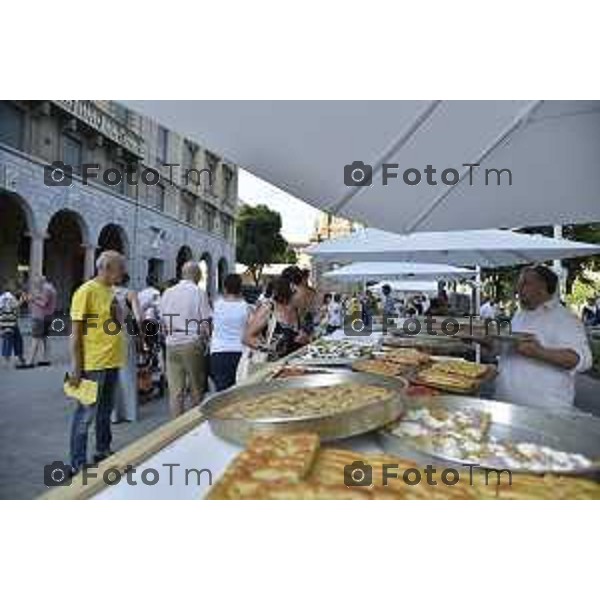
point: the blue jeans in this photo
(223, 368)
(12, 342)
(100, 411)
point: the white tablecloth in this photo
(198, 449)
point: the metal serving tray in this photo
(332, 427)
(322, 370)
(435, 345)
(569, 431)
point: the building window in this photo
(226, 222)
(188, 155)
(12, 124)
(163, 144)
(212, 163)
(187, 209)
(210, 218)
(157, 195)
(228, 182)
(72, 152)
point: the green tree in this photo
(588, 233)
(259, 239)
(288, 256)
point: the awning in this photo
(413, 285)
(552, 149)
(399, 270)
(484, 248)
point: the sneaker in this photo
(44, 363)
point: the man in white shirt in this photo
(541, 369)
(186, 314)
(488, 309)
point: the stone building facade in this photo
(60, 229)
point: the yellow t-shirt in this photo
(95, 304)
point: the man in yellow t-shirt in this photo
(97, 354)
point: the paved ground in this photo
(35, 417)
(34, 425)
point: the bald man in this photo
(186, 316)
(97, 354)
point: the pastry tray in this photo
(329, 427)
(569, 431)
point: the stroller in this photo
(150, 375)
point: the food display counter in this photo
(356, 414)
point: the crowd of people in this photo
(41, 301)
(202, 345)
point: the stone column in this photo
(36, 255)
(89, 261)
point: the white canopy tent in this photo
(425, 286)
(484, 248)
(399, 270)
(552, 149)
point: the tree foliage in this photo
(588, 233)
(259, 239)
(501, 283)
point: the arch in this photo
(206, 265)
(64, 254)
(113, 237)
(183, 255)
(222, 271)
(17, 228)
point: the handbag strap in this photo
(272, 324)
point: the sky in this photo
(298, 218)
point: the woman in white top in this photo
(230, 316)
(334, 314)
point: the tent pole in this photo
(477, 308)
(477, 290)
(559, 268)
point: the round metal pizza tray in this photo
(331, 427)
(568, 431)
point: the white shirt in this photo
(182, 307)
(525, 380)
(488, 311)
(229, 322)
(334, 314)
(149, 299)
